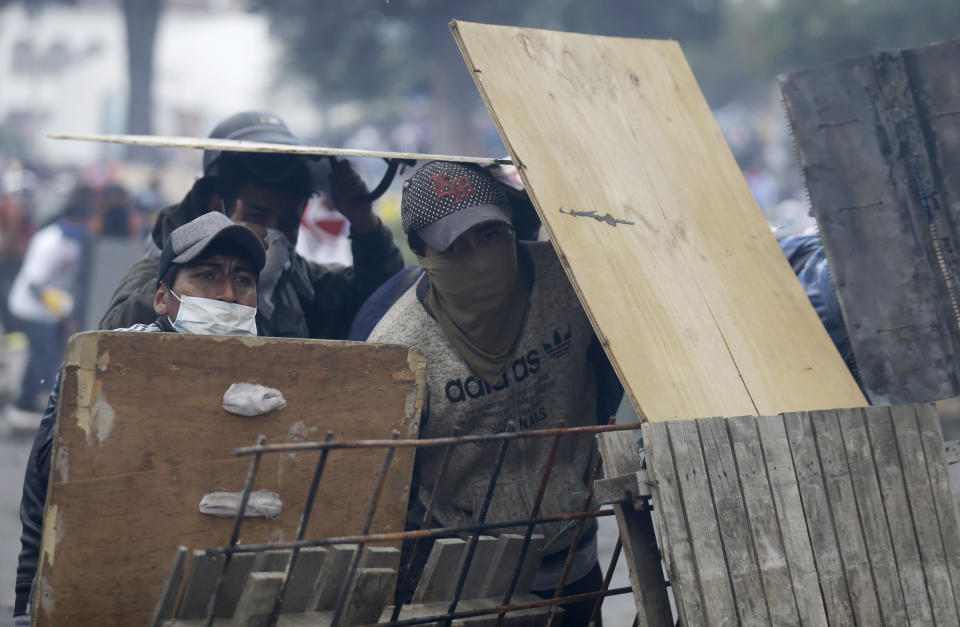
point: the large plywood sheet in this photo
(142, 436)
(673, 260)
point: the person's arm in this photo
(32, 503)
(132, 302)
(340, 291)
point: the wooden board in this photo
(684, 283)
(142, 436)
(239, 145)
(879, 144)
(622, 460)
(847, 517)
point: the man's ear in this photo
(160, 301)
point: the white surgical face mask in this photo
(279, 258)
(205, 316)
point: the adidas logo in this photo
(560, 345)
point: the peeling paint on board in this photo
(96, 419)
(103, 361)
(52, 533)
(414, 402)
(46, 597)
(61, 464)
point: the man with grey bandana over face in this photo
(508, 347)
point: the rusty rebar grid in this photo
(404, 570)
(481, 518)
(235, 536)
(577, 535)
(438, 532)
(289, 447)
(301, 531)
(606, 580)
(368, 521)
(474, 530)
(516, 607)
(535, 511)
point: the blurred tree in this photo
(386, 51)
(763, 38)
(140, 18)
(806, 33)
(382, 51)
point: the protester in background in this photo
(809, 262)
(268, 192)
(508, 347)
(148, 203)
(16, 228)
(47, 291)
(206, 283)
(116, 213)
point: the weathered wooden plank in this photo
(643, 560)
(620, 456)
(846, 518)
(380, 557)
(166, 605)
(506, 558)
(619, 452)
(763, 524)
(712, 571)
(531, 564)
(370, 592)
(438, 579)
(920, 497)
(233, 582)
(674, 534)
(623, 489)
(873, 517)
(483, 557)
(711, 299)
(732, 521)
(943, 498)
(879, 175)
(257, 600)
(816, 510)
(793, 527)
(333, 574)
(202, 581)
(199, 585)
(303, 579)
(890, 477)
(937, 88)
(271, 561)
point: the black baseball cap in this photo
(188, 242)
(254, 126)
(445, 199)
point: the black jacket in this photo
(310, 299)
(35, 488)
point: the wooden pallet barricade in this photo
(829, 517)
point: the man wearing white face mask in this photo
(268, 192)
(206, 284)
(207, 278)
